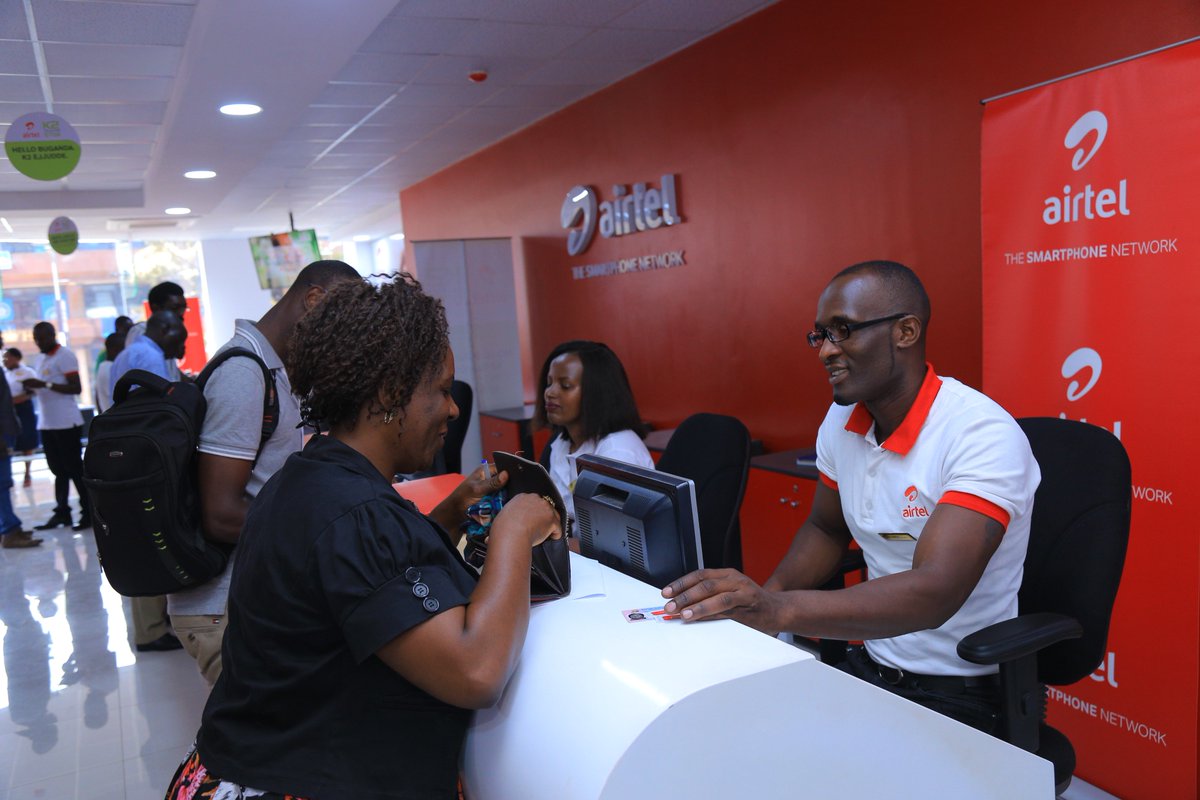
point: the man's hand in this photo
(723, 594)
(34, 383)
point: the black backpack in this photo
(139, 468)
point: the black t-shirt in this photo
(332, 565)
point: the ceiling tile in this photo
(515, 40)
(384, 67)
(112, 113)
(454, 69)
(118, 134)
(538, 96)
(367, 95)
(92, 150)
(112, 23)
(125, 90)
(465, 94)
(687, 15)
(103, 60)
(396, 113)
(411, 35)
(334, 115)
(16, 58)
(640, 45)
(565, 12)
(21, 89)
(565, 71)
(13, 24)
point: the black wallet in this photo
(550, 572)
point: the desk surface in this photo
(426, 493)
(602, 708)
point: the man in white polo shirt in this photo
(932, 479)
(61, 424)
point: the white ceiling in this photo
(361, 98)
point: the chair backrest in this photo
(1077, 538)
(714, 451)
(456, 431)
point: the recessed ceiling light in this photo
(362, 237)
(199, 174)
(240, 109)
(397, 237)
(178, 210)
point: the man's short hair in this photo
(325, 273)
(13, 352)
(905, 290)
(44, 325)
(162, 321)
(163, 292)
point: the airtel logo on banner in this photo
(1087, 203)
(1083, 362)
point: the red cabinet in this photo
(775, 506)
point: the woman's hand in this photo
(531, 513)
(451, 513)
(479, 483)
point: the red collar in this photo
(905, 436)
(57, 347)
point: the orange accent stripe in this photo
(860, 420)
(975, 503)
(905, 436)
(825, 479)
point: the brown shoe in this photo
(20, 539)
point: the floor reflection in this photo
(82, 715)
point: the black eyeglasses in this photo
(840, 331)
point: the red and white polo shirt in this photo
(954, 446)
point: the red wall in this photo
(807, 137)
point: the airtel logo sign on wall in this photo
(643, 209)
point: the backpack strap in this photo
(139, 378)
(270, 415)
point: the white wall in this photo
(230, 288)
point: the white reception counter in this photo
(603, 708)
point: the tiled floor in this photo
(82, 715)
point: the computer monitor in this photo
(638, 521)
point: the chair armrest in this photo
(1018, 637)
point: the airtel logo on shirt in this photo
(913, 510)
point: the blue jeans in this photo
(9, 521)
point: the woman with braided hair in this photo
(358, 638)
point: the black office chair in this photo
(1077, 541)
(714, 451)
(456, 431)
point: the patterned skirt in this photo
(193, 782)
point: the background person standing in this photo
(61, 425)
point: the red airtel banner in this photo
(1091, 277)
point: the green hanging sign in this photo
(64, 235)
(42, 146)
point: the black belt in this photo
(954, 684)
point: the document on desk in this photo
(587, 579)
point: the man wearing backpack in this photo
(164, 338)
(155, 351)
(234, 462)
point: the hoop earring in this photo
(389, 417)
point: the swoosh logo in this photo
(579, 209)
(1089, 122)
(1081, 359)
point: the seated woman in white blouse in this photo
(587, 402)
